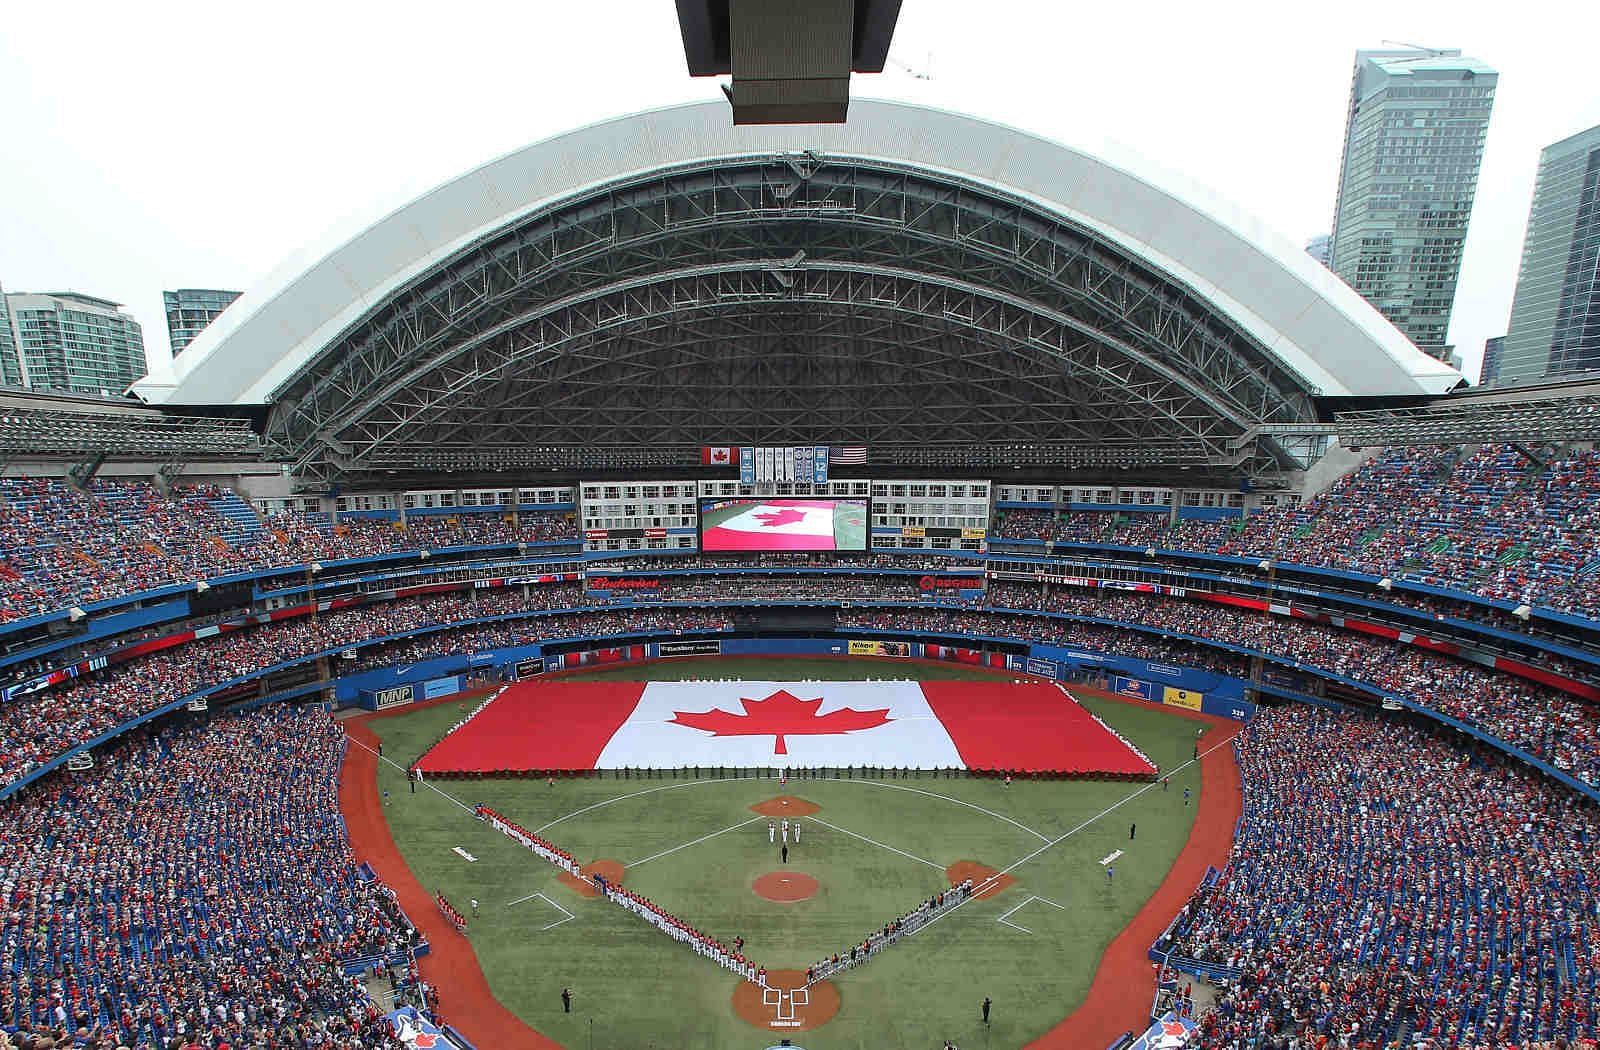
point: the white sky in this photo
(180, 144)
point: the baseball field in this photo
(870, 849)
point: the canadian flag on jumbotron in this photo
(716, 455)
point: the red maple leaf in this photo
(787, 516)
(779, 715)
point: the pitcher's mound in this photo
(785, 806)
(785, 887)
(785, 1004)
(986, 882)
(610, 870)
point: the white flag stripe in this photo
(814, 521)
(913, 736)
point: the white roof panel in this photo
(1320, 329)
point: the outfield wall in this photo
(1188, 688)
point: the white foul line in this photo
(426, 783)
(636, 794)
(1033, 897)
(1020, 861)
(875, 842)
(553, 904)
(957, 801)
(695, 842)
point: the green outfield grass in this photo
(635, 988)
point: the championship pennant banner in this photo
(766, 464)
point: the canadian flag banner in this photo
(716, 455)
(1022, 726)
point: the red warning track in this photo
(1110, 1009)
(464, 997)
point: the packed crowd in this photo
(741, 588)
(60, 546)
(195, 889)
(1548, 724)
(1483, 519)
(39, 726)
(1387, 886)
(601, 625)
(1043, 631)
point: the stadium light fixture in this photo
(315, 566)
(424, 555)
(1386, 584)
(1264, 565)
(1522, 612)
(75, 614)
(201, 587)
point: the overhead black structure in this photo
(790, 62)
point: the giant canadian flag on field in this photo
(1025, 726)
(775, 524)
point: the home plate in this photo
(1107, 860)
(469, 858)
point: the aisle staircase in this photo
(244, 524)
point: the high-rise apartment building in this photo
(1318, 248)
(1412, 147)
(1494, 352)
(1555, 314)
(189, 310)
(10, 363)
(73, 342)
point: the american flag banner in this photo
(848, 455)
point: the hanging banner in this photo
(747, 465)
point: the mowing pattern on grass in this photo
(706, 850)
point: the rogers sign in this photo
(942, 583)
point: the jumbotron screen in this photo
(781, 523)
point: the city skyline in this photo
(350, 138)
